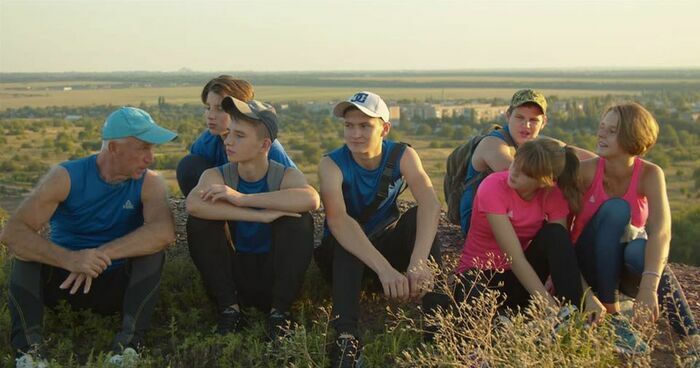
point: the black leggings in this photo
(346, 271)
(131, 288)
(549, 253)
(189, 169)
(261, 280)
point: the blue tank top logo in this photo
(95, 212)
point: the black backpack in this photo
(456, 172)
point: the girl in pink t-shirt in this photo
(623, 230)
(518, 226)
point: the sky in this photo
(329, 35)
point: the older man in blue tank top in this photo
(110, 222)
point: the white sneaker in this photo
(29, 361)
(129, 358)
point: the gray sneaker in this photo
(128, 358)
(627, 339)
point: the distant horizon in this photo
(185, 70)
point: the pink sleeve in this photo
(555, 205)
(491, 197)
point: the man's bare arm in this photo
(158, 229)
(295, 195)
(419, 273)
(582, 154)
(21, 233)
(493, 153)
(349, 234)
(428, 204)
(223, 210)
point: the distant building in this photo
(73, 117)
(482, 114)
(395, 115)
(477, 112)
(420, 110)
(315, 107)
(67, 88)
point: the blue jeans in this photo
(609, 265)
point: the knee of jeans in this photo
(634, 255)
(553, 230)
(615, 210)
(413, 211)
(305, 222)
(147, 264)
(199, 224)
(192, 163)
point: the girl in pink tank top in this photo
(622, 232)
(596, 195)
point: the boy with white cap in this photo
(360, 183)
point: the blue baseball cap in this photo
(133, 122)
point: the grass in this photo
(181, 334)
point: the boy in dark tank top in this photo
(249, 229)
(360, 183)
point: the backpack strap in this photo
(230, 172)
(275, 174)
(479, 177)
(507, 136)
(384, 182)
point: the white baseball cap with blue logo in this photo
(369, 103)
(134, 122)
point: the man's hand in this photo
(420, 278)
(76, 279)
(221, 192)
(394, 283)
(646, 304)
(272, 215)
(91, 262)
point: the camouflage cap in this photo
(524, 96)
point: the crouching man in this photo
(109, 221)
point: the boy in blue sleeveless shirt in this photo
(110, 223)
(526, 117)
(249, 229)
(208, 149)
(395, 249)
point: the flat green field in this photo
(506, 79)
(11, 96)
